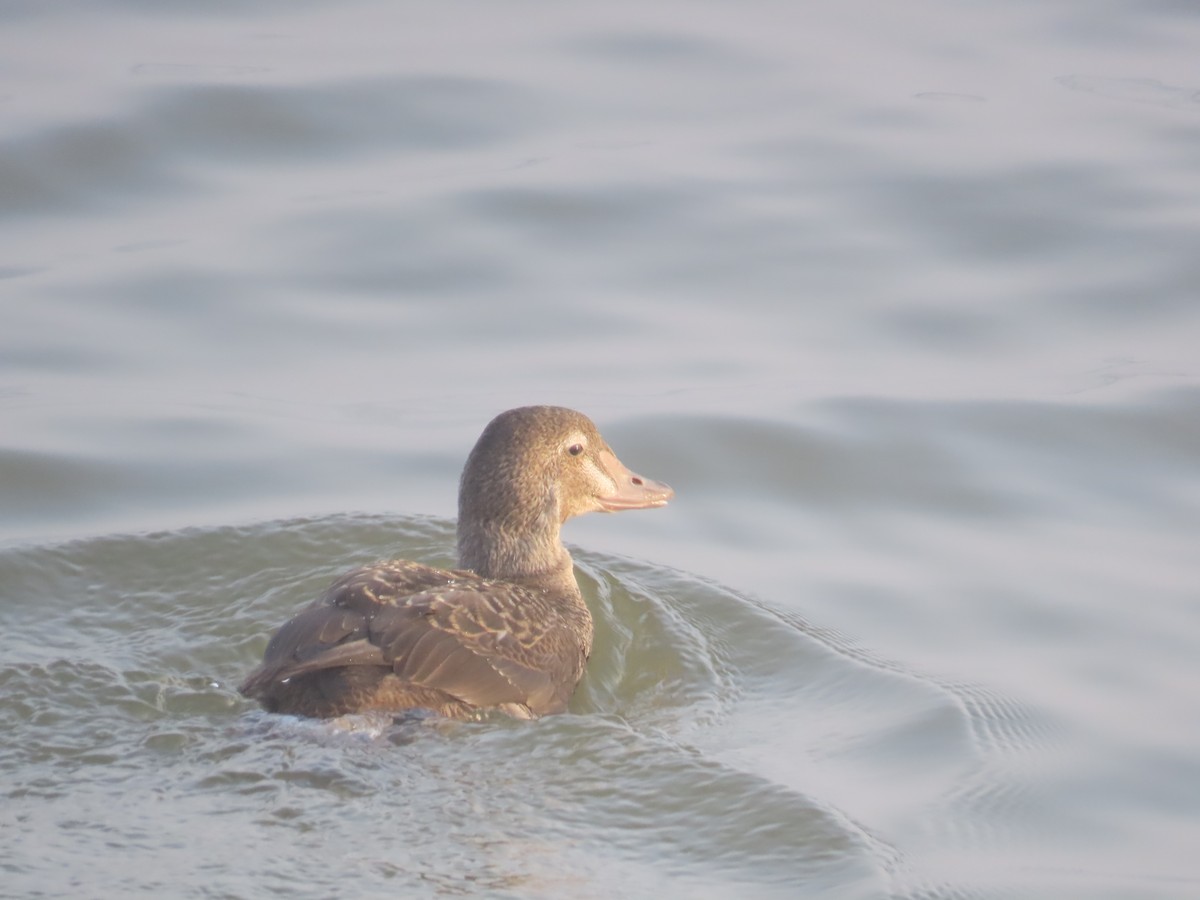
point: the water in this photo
(902, 301)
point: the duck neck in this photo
(525, 552)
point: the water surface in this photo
(902, 301)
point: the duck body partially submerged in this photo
(509, 630)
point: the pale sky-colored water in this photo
(902, 301)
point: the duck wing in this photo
(482, 642)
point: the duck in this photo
(508, 630)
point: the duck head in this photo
(531, 470)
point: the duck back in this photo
(398, 635)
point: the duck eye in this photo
(575, 449)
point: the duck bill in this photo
(633, 491)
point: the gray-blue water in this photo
(903, 300)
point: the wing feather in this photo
(482, 642)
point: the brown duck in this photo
(508, 630)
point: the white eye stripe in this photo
(575, 443)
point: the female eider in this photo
(508, 630)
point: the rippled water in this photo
(904, 301)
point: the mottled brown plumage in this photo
(507, 631)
